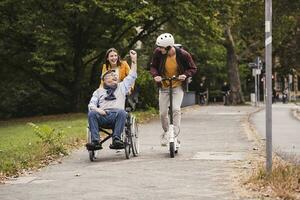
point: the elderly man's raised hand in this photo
(133, 56)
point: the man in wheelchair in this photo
(106, 107)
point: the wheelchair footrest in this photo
(111, 146)
(93, 147)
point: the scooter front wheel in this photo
(172, 149)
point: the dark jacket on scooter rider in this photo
(184, 61)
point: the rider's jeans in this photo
(164, 103)
(114, 119)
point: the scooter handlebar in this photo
(169, 78)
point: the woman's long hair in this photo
(107, 64)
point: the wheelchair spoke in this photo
(135, 139)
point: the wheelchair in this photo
(129, 135)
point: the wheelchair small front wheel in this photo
(127, 146)
(92, 155)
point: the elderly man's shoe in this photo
(117, 144)
(95, 145)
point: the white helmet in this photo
(165, 40)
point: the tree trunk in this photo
(78, 69)
(77, 98)
(236, 96)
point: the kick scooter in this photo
(173, 142)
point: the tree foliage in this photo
(51, 52)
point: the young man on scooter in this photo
(106, 107)
(169, 61)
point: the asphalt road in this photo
(285, 129)
(213, 142)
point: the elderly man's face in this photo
(111, 79)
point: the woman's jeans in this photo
(114, 119)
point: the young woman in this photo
(113, 62)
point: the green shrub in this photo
(148, 93)
(51, 138)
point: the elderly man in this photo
(106, 107)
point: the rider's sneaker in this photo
(177, 146)
(164, 139)
(98, 145)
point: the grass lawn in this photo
(21, 148)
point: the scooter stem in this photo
(171, 100)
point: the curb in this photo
(258, 138)
(296, 112)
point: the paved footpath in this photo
(213, 142)
(285, 129)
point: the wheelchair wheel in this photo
(135, 138)
(89, 140)
(128, 144)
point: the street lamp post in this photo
(256, 71)
(253, 67)
(256, 88)
(268, 59)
